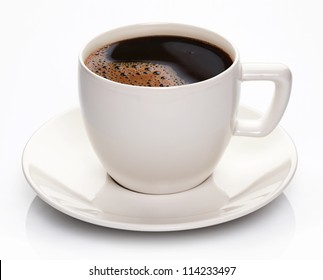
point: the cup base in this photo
(147, 193)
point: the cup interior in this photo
(157, 29)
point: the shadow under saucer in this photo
(263, 234)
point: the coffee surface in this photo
(158, 61)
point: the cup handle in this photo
(281, 76)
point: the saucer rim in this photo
(158, 227)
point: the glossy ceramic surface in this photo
(162, 140)
(62, 168)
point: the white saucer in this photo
(60, 165)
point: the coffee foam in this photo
(133, 73)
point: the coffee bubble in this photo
(133, 73)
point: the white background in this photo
(40, 42)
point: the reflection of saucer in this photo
(62, 168)
(264, 234)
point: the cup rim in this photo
(169, 28)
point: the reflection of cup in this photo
(164, 140)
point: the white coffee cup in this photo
(161, 140)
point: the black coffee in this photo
(158, 61)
